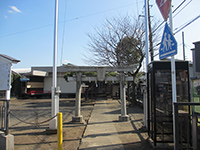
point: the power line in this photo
(26, 30)
(63, 35)
(100, 12)
(188, 24)
(181, 28)
(72, 19)
(173, 12)
(174, 16)
(181, 8)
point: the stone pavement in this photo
(105, 132)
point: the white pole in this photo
(173, 72)
(147, 59)
(54, 94)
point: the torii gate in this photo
(100, 77)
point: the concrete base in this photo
(124, 118)
(51, 131)
(77, 119)
(6, 142)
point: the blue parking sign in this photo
(168, 46)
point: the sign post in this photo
(168, 48)
(173, 71)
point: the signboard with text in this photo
(5, 75)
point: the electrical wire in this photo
(63, 35)
(187, 24)
(27, 30)
(62, 46)
(72, 19)
(182, 26)
(174, 12)
(181, 8)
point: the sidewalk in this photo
(105, 132)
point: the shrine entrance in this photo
(101, 77)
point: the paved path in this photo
(102, 132)
(105, 132)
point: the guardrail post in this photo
(59, 131)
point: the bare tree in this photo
(120, 42)
(106, 43)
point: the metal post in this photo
(147, 58)
(173, 72)
(7, 116)
(194, 132)
(183, 46)
(176, 124)
(54, 93)
(60, 132)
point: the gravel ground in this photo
(32, 137)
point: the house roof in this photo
(29, 72)
(22, 71)
(13, 60)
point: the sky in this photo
(27, 27)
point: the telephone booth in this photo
(160, 115)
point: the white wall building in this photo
(38, 80)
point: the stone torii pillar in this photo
(100, 77)
(123, 116)
(78, 118)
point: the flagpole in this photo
(147, 60)
(54, 93)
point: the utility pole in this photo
(183, 46)
(150, 34)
